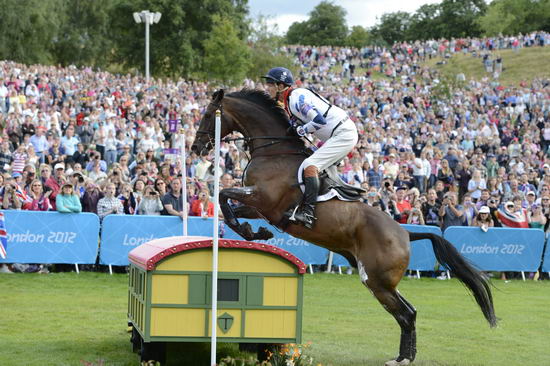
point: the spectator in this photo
(203, 207)
(416, 217)
(172, 201)
(39, 199)
(537, 219)
(402, 205)
(470, 210)
(91, 197)
(109, 204)
(476, 185)
(483, 219)
(10, 201)
(450, 212)
(67, 201)
(150, 203)
(127, 199)
(430, 209)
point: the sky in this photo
(359, 12)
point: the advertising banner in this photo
(499, 249)
(51, 237)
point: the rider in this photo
(310, 113)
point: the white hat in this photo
(484, 209)
(59, 166)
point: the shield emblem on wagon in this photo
(225, 321)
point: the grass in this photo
(67, 319)
(521, 66)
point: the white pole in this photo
(184, 182)
(147, 17)
(215, 238)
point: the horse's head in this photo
(204, 140)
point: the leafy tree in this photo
(327, 25)
(510, 17)
(28, 29)
(458, 18)
(226, 55)
(264, 49)
(177, 41)
(393, 27)
(84, 36)
(425, 23)
(296, 33)
(358, 37)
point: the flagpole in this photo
(184, 183)
(214, 316)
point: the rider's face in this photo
(272, 89)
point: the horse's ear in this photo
(218, 96)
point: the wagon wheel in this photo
(135, 340)
(153, 351)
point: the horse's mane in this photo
(263, 100)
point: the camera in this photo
(387, 184)
(492, 202)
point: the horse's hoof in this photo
(263, 234)
(246, 232)
(403, 362)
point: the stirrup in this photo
(293, 216)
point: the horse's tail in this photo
(474, 279)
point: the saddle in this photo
(332, 186)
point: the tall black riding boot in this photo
(306, 212)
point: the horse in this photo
(367, 237)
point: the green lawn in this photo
(523, 65)
(69, 319)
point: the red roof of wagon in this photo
(149, 254)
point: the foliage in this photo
(359, 37)
(448, 19)
(511, 17)
(392, 27)
(265, 46)
(27, 29)
(226, 56)
(290, 355)
(84, 35)
(326, 26)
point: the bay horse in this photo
(368, 238)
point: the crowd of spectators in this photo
(79, 140)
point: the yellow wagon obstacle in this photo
(259, 294)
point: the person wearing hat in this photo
(67, 201)
(310, 113)
(403, 207)
(54, 182)
(483, 219)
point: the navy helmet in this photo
(279, 75)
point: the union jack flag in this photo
(3, 237)
(22, 195)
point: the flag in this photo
(3, 237)
(22, 195)
(516, 219)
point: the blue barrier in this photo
(122, 233)
(51, 237)
(546, 260)
(307, 252)
(422, 254)
(499, 249)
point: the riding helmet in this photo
(280, 75)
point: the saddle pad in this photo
(324, 194)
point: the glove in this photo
(300, 131)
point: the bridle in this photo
(247, 138)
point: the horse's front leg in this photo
(248, 196)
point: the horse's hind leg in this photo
(403, 312)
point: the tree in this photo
(327, 25)
(510, 17)
(227, 57)
(28, 30)
(177, 41)
(264, 49)
(458, 18)
(359, 37)
(296, 33)
(425, 23)
(84, 36)
(393, 27)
